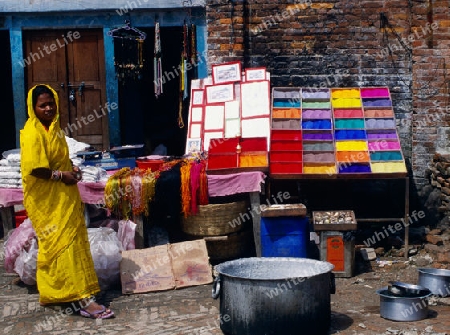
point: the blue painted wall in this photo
(105, 20)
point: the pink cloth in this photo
(218, 186)
(196, 169)
(10, 197)
(91, 193)
(228, 184)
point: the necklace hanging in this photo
(128, 55)
(157, 63)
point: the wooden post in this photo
(139, 233)
(7, 217)
(406, 223)
(256, 214)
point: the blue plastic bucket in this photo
(284, 236)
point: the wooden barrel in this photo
(218, 219)
(229, 247)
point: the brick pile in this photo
(437, 240)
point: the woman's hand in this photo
(71, 177)
(77, 171)
(67, 177)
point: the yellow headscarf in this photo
(32, 118)
(34, 131)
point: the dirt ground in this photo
(356, 305)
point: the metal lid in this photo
(273, 268)
(283, 210)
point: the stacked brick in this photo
(439, 176)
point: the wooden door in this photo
(75, 69)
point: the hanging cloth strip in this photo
(195, 186)
(193, 50)
(186, 188)
(203, 191)
(157, 63)
(180, 99)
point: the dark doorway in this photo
(145, 118)
(8, 132)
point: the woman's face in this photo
(45, 109)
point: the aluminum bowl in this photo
(407, 290)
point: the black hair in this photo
(38, 90)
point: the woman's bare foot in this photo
(95, 311)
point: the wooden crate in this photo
(334, 226)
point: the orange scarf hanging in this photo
(203, 191)
(186, 188)
(148, 188)
(195, 186)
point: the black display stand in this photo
(397, 185)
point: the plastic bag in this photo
(20, 239)
(126, 233)
(106, 252)
(25, 265)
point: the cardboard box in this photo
(165, 267)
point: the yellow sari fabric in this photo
(65, 269)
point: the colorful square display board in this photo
(334, 131)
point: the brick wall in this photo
(431, 63)
(347, 43)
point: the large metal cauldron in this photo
(274, 295)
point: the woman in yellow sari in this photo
(65, 269)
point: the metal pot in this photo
(437, 280)
(398, 308)
(274, 295)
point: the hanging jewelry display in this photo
(128, 52)
(188, 63)
(157, 63)
(193, 50)
(184, 58)
(183, 75)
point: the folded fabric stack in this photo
(10, 176)
(74, 147)
(93, 174)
